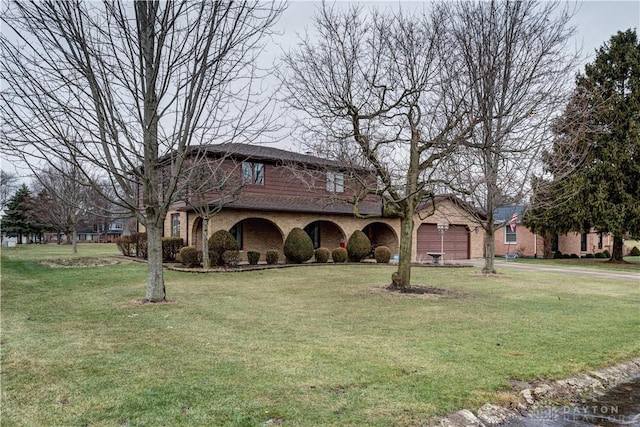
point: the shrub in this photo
(322, 255)
(600, 255)
(574, 256)
(358, 246)
(298, 246)
(231, 258)
(557, 255)
(139, 241)
(171, 247)
(606, 253)
(339, 255)
(272, 257)
(382, 254)
(125, 245)
(218, 243)
(634, 251)
(189, 256)
(253, 257)
(589, 256)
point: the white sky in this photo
(596, 22)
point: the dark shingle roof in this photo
(503, 214)
(277, 203)
(266, 153)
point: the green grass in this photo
(312, 346)
(632, 263)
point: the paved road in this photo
(592, 272)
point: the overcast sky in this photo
(596, 22)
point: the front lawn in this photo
(304, 346)
(632, 263)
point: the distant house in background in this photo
(102, 232)
(106, 232)
(515, 239)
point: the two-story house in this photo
(282, 190)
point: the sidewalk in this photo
(573, 270)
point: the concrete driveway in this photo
(501, 264)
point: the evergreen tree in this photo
(16, 220)
(595, 162)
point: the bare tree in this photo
(214, 182)
(8, 185)
(124, 88)
(370, 91)
(515, 56)
(62, 199)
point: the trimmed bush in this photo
(589, 256)
(139, 241)
(171, 247)
(339, 255)
(253, 257)
(634, 251)
(298, 246)
(557, 255)
(606, 253)
(272, 256)
(125, 245)
(574, 256)
(322, 255)
(358, 246)
(189, 256)
(231, 258)
(220, 242)
(382, 254)
(600, 255)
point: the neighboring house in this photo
(283, 190)
(104, 232)
(515, 239)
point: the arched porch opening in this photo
(258, 234)
(325, 234)
(381, 234)
(196, 233)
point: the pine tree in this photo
(15, 221)
(595, 161)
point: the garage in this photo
(456, 241)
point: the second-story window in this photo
(175, 225)
(335, 182)
(253, 173)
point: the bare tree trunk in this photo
(74, 241)
(489, 266)
(206, 261)
(155, 277)
(616, 251)
(402, 278)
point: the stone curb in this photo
(591, 384)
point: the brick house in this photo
(283, 190)
(514, 238)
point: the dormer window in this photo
(253, 173)
(335, 182)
